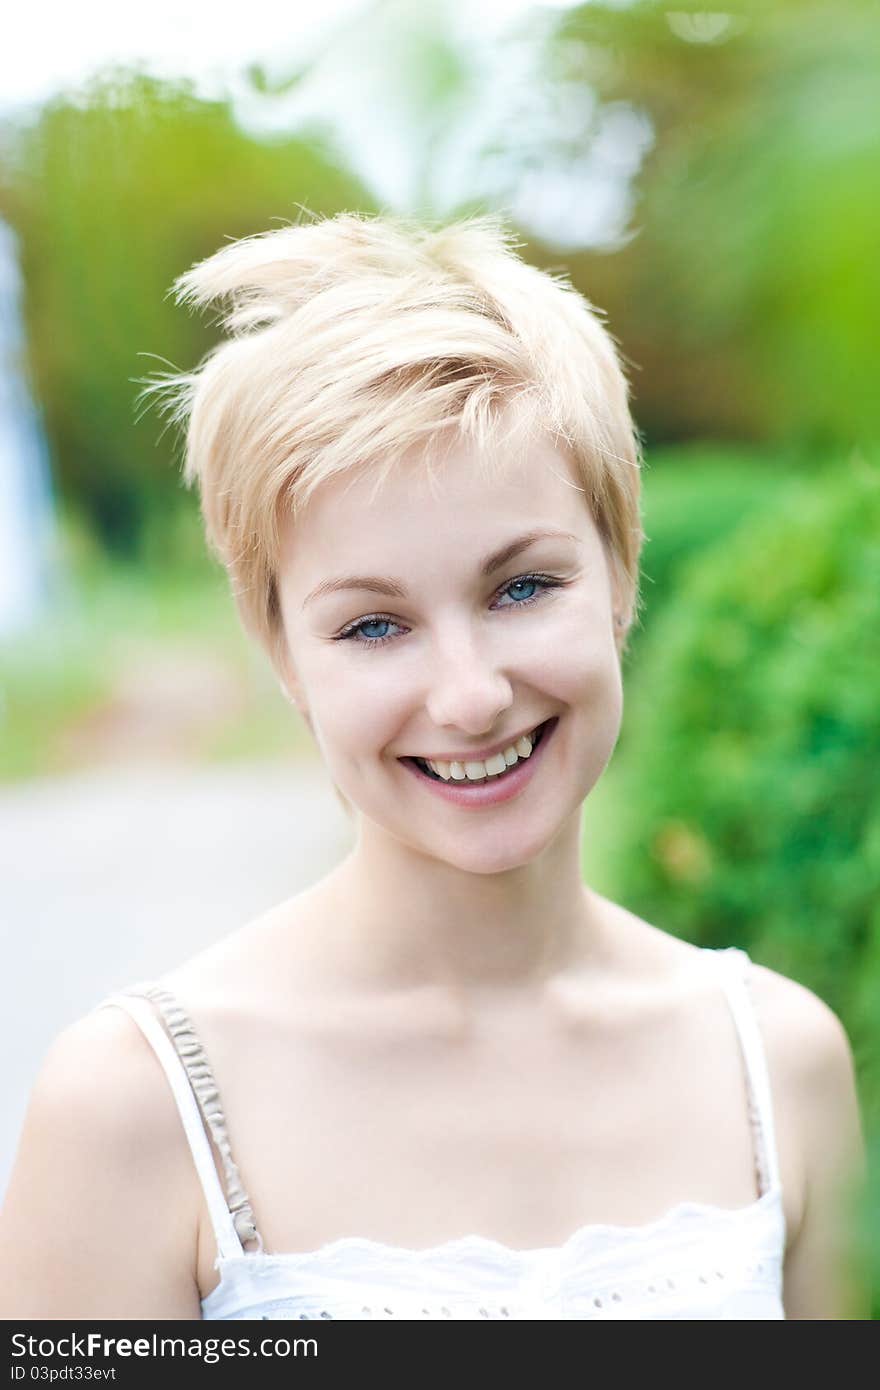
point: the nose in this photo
(467, 689)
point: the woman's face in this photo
(456, 657)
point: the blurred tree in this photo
(114, 192)
(748, 291)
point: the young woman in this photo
(449, 1079)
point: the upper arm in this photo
(822, 1277)
(99, 1218)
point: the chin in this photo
(501, 849)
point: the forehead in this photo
(451, 505)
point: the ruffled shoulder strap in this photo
(185, 1063)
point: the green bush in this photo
(694, 495)
(749, 796)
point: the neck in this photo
(401, 919)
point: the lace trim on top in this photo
(194, 1058)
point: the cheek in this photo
(354, 710)
(580, 665)
(587, 678)
(592, 690)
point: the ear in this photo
(621, 599)
(287, 679)
(298, 702)
(289, 695)
(291, 692)
(619, 608)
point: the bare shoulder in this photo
(807, 1045)
(812, 1070)
(801, 1025)
(808, 1051)
(816, 1113)
(109, 1076)
(100, 1217)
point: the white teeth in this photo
(492, 767)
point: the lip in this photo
(475, 755)
(496, 789)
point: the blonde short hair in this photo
(355, 337)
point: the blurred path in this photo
(113, 875)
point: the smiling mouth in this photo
(426, 771)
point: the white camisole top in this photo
(695, 1261)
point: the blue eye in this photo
(517, 583)
(359, 631)
(372, 639)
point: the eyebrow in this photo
(380, 584)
